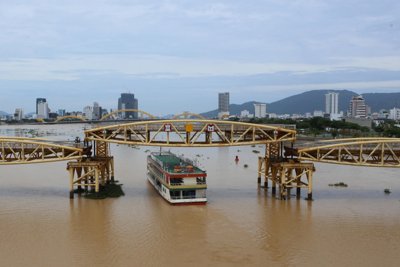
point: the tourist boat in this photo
(178, 180)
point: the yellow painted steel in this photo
(188, 114)
(66, 117)
(41, 120)
(35, 150)
(369, 152)
(134, 110)
(226, 133)
(223, 116)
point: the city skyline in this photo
(202, 48)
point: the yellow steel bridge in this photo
(284, 166)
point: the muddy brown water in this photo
(241, 225)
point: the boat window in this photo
(201, 180)
(189, 193)
(176, 181)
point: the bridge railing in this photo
(15, 143)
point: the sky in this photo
(177, 55)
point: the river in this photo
(241, 225)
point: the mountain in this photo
(3, 113)
(315, 100)
(309, 101)
(233, 108)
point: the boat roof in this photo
(169, 161)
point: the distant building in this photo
(104, 112)
(394, 114)
(43, 110)
(136, 106)
(223, 104)
(128, 101)
(88, 111)
(96, 111)
(360, 121)
(39, 100)
(53, 115)
(318, 113)
(271, 115)
(308, 115)
(332, 103)
(260, 110)
(19, 114)
(297, 116)
(358, 109)
(246, 114)
(61, 112)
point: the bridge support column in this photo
(282, 186)
(71, 183)
(97, 188)
(310, 178)
(112, 169)
(92, 172)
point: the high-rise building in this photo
(61, 112)
(260, 110)
(136, 106)
(223, 104)
(394, 114)
(96, 111)
(43, 110)
(358, 109)
(39, 100)
(332, 103)
(19, 114)
(128, 101)
(88, 113)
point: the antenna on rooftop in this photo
(126, 89)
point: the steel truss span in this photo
(369, 152)
(37, 150)
(190, 133)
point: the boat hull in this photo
(164, 192)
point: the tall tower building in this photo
(39, 100)
(128, 101)
(43, 110)
(260, 110)
(96, 111)
(223, 104)
(332, 103)
(358, 108)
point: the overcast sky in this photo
(177, 55)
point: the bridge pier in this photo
(96, 172)
(280, 172)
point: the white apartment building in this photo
(260, 110)
(88, 113)
(246, 114)
(332, 103)
(318, 113)
(43, 110)
(19, 114)
(394, 114)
